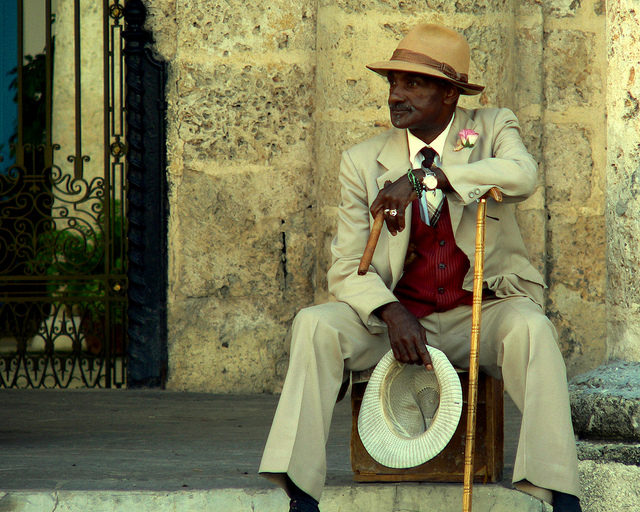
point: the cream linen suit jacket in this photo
(498, 159)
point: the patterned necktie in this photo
(435, 198)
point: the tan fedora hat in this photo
(408, 414)
(432, 50)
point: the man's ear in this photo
(451, 95)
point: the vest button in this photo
(441, 243)
(441, 291)
(442, 265)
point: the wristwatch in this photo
(430, 180)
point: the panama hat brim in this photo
(383, 68)
(385, 443)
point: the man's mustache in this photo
(401, 108)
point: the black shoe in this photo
(563, 502)
(303, 504)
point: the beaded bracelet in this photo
(415, 183)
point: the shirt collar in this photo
(416, 145)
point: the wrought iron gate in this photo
(63, 200)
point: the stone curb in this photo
(362, 498)
(605, 402)
(624, 453)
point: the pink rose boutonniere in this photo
(468, 139)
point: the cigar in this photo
(371, 244)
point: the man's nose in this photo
(396, 94)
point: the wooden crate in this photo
(448, 466)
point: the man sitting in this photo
(418, 290)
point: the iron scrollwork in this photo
(77, 308)
(63, 261)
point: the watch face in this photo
(430, 182)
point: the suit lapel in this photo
(394, 157)
(451, 157)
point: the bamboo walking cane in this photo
(474, 353)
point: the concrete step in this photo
(357, 498)
(127, 450)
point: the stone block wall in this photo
(242, 191)
(263, 98)
(623, 180)
(574, 157)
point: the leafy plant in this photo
(78, 248)
(76, 252)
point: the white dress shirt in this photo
(415, 157)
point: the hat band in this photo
(420, 58)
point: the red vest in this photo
(434, 268)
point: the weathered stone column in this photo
(264, 98)
(573, 162)
(623, 181)
(240, 144)
(605, 402)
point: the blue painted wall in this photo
(8, 60)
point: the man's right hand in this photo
(394, 196)
(407, 336)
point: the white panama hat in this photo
(409, 414)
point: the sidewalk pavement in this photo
(122, 450)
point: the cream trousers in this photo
(518, 344)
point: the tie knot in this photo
(429, 155)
